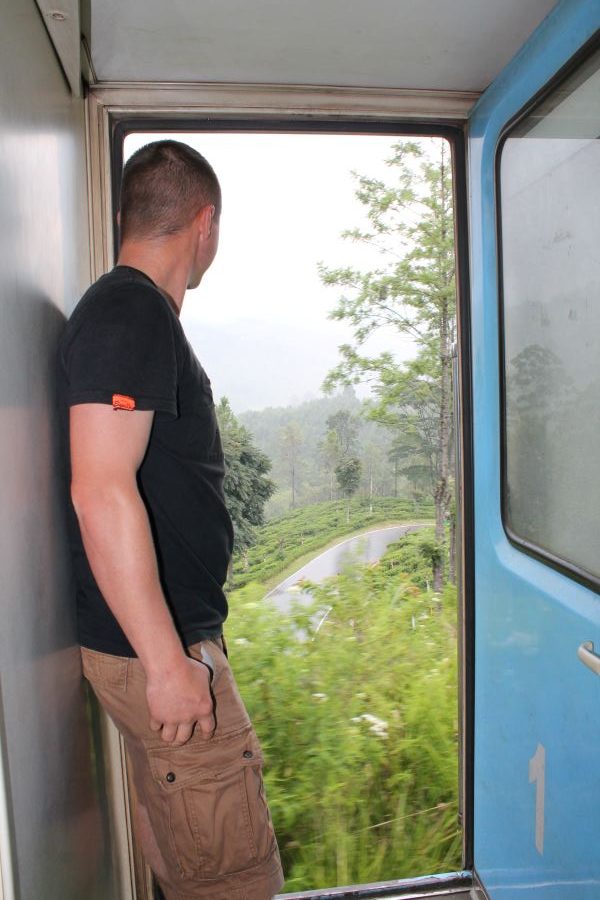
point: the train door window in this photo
(342, 627)
(550, 237)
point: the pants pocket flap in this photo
(202, 760)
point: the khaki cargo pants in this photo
(203, 803)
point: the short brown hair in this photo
(164, 185)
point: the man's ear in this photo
(204, 221)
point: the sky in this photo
(258, 322)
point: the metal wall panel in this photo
(57, 842)
(458, 46)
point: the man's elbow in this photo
(90, 498)
(85, 499)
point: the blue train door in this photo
(534, 184)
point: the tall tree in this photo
(340, 441)
(410, 461)
(247, 485)
(330, 453)
(291, 442)
(347, 473)
(411, 225)
(345, 425)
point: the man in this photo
(151, 540)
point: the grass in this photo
(284, 544)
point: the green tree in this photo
(347, 473)
(291, 440)
(329, 451)
(411, 225)
(410, 462)
(247, 485)
(345, 426)
(373, 457)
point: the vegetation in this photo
(307, 441)
(305, 531)
(291, 444)
(247, 485)
(342, 429)
(347, 473)
(354, 699)
(411, 224)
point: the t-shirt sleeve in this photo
(123, 353)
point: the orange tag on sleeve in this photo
(122, 401)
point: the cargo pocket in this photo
(217, 815)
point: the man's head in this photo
(165, 184)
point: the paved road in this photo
(365, 548)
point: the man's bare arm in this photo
(107, 449)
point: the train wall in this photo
(54, 843)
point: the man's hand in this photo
(179, 699)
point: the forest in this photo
(353, 689)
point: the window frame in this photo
(550, 558)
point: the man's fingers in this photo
(206, 724)
(184, 733)
(180, 734)
(175, 733)
(168, 733)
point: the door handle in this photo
(588, 657)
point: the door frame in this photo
(112, 110)
(8, 886)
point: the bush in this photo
(414, 555)
(355, 701)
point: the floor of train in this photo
(469, 894)
(409, 894)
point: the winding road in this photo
(366, 547)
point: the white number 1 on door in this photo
(537, 775)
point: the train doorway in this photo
(311, 229)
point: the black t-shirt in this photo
(124, 346)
